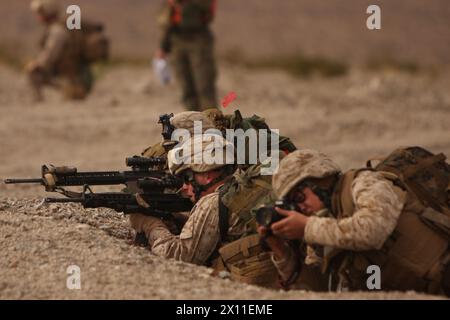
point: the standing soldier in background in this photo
(188, 39)
(65, 54)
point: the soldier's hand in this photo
(292, 227)
(143, 223)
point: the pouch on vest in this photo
(244, 257)
(247, 190)
(248, 262)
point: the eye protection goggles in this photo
(297, 195)
(187, 176)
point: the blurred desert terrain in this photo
(412, 30)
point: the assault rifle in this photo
(54, 178)
(155, 187)
(153, 203)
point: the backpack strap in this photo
(438, 218)
(342, 200)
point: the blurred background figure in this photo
(65, 56)
(189, 40)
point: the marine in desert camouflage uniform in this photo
(58, 57)
(245, 190)
(346, 233)
(200, 236)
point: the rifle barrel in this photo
(63, 200)
(14, 181)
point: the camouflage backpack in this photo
(92, 45)
(257, 123)
(236, 121)
(425, 175)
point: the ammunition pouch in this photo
(247, 262)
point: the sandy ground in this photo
(351, 118)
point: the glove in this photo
(142, 223)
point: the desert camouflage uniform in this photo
(183, 120)
(377, 209)
(58, 57)
(199, 237)
(53, 45)
(370, 220)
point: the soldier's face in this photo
(309, 203)
(187, 190)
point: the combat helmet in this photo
(202, 153)
(45, 7)
(300, 165)
(185, 120)
(199, 152)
